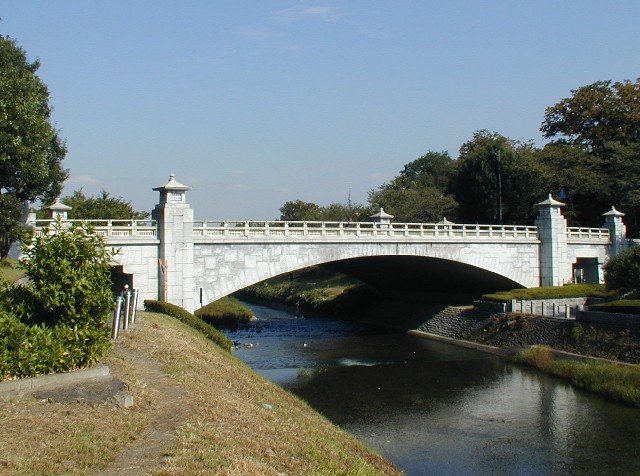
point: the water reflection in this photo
(434, 408)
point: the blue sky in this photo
(254, 103)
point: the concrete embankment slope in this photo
(197, 410)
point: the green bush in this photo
(27, 351)
(622, 272)
(56, 322)
(191, 320)
(69, 275)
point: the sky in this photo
(256, 103)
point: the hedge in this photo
(189, 319)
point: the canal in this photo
(435, 408)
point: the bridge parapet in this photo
(576, 234)
(227, 230)
(108, 228)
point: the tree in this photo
(419, 192)
(30, 150)
(485, 184)
(597, 131)
(103, 206)
(298, 210)
(596, 115)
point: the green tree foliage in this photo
(497, 180)
(622, 272)
(595, 149)
(298, 210)
(11, 229)
(30, 150)
(419, 192)
(103, 206)
(596, 115)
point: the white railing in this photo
(106, 228)
(576, 233)
(210, 228)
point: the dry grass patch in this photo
(43, 437)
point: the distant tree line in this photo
(591, 162)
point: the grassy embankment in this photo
(314, 289)
(618, 382)
(237, 422)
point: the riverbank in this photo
(217, 415)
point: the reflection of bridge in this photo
(183, 261)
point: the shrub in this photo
(56, 322)
(191, 320)
(27, 351)
(69, 274)
(623, 271)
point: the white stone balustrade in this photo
(299, 229)
(106, 228)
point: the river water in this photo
(435, 408)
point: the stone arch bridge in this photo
(192, 262)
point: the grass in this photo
(618, 382)
(10, 270)
(238, 423)
(550, 292)
(225, 313)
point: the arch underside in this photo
(390, 273)
(422, 275)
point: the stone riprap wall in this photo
(456, 322)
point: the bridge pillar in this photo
(555, 269)
(617, 231)
(174, 218)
